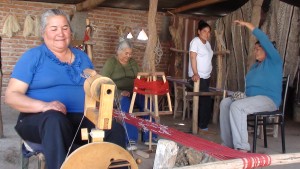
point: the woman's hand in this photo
(247, 24)
(54, 105)
(16, 98)
(195, 77)
(125, 93)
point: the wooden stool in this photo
(149, 98)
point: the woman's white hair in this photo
(123, 43)
(52, 12)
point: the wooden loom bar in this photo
(195, 5)
(212, 93)
(277, 159)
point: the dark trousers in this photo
(55, 131)
(204, 112)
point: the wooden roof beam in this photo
(88, 4)
(199, 4)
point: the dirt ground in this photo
(10, 144)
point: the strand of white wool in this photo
(6, 27)
(158, 52)
(37, 24)
(28, 26)
(10, 26)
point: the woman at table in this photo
(200, 68)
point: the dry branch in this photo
(88, 4)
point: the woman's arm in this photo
(108, 68)
(264, 40)
(193, 56)
(16, 98)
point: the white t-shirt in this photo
(204, 56)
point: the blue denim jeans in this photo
(131, 129)
(233, 119)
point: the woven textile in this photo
(250, 160)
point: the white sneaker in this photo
(131, 148)
(132, 142)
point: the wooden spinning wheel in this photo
(99, 156)
(99, 96)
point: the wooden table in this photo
(194, 95)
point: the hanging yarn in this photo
(28, 26)
(37, 24)
(158, 52)
(10, 26)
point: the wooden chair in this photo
(181, 86)
(30, 149)
(274, 118)
(180, 96)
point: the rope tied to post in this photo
(142, 86)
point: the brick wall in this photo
(105, 35)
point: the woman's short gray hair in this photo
(52, 12)
(123, 43)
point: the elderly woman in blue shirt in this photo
(263, 92)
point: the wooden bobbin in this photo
(92, 86)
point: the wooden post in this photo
(195, 107)
(176, 33)
(149, 57)
(185, 55)
(166, 153)
(1, 76)
(219, 78)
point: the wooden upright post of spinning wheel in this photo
(99, 154)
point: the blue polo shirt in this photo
(266, 78)
(49, 79)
